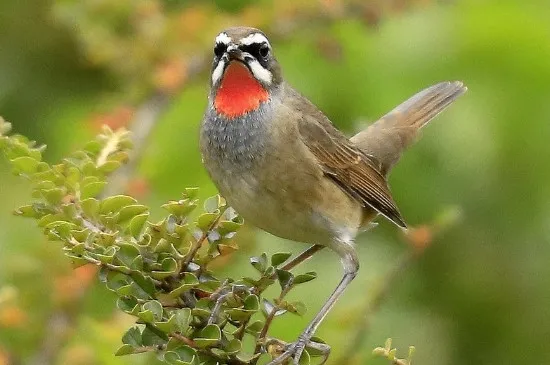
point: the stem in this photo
(268, 321)
(301, 257)
(182, 338)
(198, 244)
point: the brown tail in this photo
(388, 137)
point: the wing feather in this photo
(350, 168)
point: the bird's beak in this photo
(234, 53)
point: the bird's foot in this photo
(295, 350)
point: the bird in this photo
(285, 168)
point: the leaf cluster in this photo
(159, 270)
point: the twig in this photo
(269, 321)
(185, 340)
(198, 244)
(301, 258)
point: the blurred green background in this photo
(480, 294)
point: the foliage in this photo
(159, 270)
(391, 354)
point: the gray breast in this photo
(236, 144)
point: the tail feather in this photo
(387, 138)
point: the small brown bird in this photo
(280, 162)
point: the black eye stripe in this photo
(219, 49)
(255, 49)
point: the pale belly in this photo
(309, 210)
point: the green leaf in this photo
(153, 337)
(116, 203)
(90, 207)
(255, 328)
(314, 352)
(136, 224)
(182, 355)
(25, 164)
(78, 249)
(240, 314)
(182, 319)
(54, 196)
(127, 253)
(180, 208)
(285, 278)
(26, 211)
(233, 347)
(61, 229)
(107, 257)
(169, 267)
(209, 336)
(212, 204)
(305, 359)
(172, 358)
(145, 283)
(146, 316)
(91, 189)
(73, 176)
(304, 278)
(132, 337)
(279, 258)
(125, 350)
(226, 227)
(130, 211)
(77, 261)
(189, 282)
(252, 303)
(206, 221)
(298, 308)
(259, 263)
(127, 304)
(109, 166)
(80, 235)
(94, 147)
(155, 307)
(191, 193)
(167, 326)
(203, 308)
(268, 307)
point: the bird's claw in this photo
(296, 349)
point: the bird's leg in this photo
(295, 350)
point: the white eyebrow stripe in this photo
(223, 38)
(257, 38)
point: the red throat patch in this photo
(239, 92)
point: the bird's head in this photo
(244, 71)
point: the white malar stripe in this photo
(254, 38)
(218, 72)
(260, 73)
(223, 38)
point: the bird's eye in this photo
(219, 49)
(264, 50)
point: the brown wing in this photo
(388, 137)
(348, 167)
